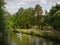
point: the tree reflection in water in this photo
(23, 39)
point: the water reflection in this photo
(50, 43)
(44, 43)
(37, 41)
(13, 43)
(23, 39)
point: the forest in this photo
(34, 18)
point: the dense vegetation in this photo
(28, 18)
(54, 16)
(34, 18)
(3, 24)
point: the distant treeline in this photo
(34, 18)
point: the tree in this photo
(53, 16)
(38, 14)
(54, 9)
(56, 22)
(38, 9)
(17, 18)
(46, 12)
(2, 22)
(25, 18)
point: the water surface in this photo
(24, 39)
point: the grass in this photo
(42, 33)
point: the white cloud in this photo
(13, 5)
(43, 1)
(58, 2)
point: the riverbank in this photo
(41, 33)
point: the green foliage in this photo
(54, 16)
(38, 9)
(25, 18)
(38, 15)
(2, 3)
(56, 22)
(3, 23)
(9, 21)
(30, 17)
(54, 9)
(2, 17)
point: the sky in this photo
(12, 6)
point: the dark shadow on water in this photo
(1, 43)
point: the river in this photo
(24, 39)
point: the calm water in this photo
(24, 39)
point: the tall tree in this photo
(38, 14)
(38, 9)
(2, 22)
(54, 9)
(53, 16)
(17, 18)
(56, 22)
(25, 18)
